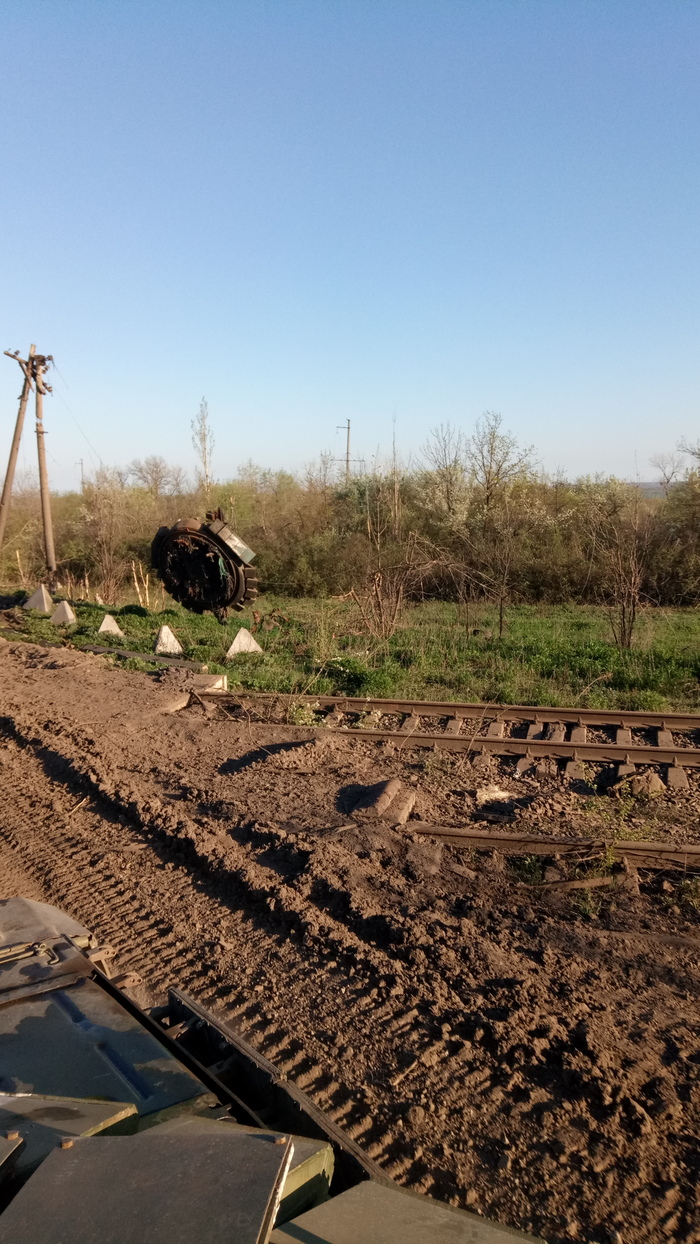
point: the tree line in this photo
(473, 519)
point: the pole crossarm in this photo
(25, 364)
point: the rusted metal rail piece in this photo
(641, 854)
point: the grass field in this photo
(559, 655)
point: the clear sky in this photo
(309, 210)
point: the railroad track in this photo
(532, 734)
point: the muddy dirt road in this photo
(509, 1053)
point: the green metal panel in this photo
(149, 1189)
(79, 1042)
(372, 1213)
(309, 1176)
(43, 1122)
(10, 1151)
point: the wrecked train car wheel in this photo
(205, 566)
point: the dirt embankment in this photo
(501, 1050)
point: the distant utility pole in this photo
(345, 427)
(347, 453)
(14, 448)
(33, 368)
(82, 475)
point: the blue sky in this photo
(309, 210)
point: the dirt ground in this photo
(510, 1052)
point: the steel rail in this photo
(621, 718)
(624, 751)
(687, 757)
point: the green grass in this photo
(549, 655)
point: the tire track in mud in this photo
(224, 865)
(69, 853)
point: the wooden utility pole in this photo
(41, 388)
(27, 368)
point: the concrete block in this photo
(375, 800)
(401, 807)
(677, 778)
(243, 642)
(547, 767)
(483, 761)
(39, 600)
(575, 771)
(210, 682)
(176, 703)
(166, 644)
(110, 626)
(63, 615)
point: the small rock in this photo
(628, 879)
(493, 794)
(431, 1057)
(472, 1197)
(646, 784)
(425, 859)
(553, 874)
(461, 871)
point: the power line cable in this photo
(91, 447)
